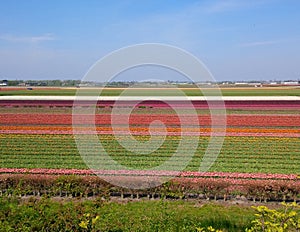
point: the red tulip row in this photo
(141, 119)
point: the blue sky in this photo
(236, 39)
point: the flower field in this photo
(261, 144)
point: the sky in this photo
(237, 40)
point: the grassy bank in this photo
(53, 215)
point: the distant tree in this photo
(13, 83)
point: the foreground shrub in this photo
(273, 220)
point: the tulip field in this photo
(262, 142)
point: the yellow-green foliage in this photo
(208, 229)
(88, 222)
(270, 220)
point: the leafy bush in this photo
(273, 220)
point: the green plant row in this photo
(178, 188)
(100, 110)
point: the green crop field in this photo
(261, 140)
(239, 154)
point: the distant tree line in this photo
(43, 83)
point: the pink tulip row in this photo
(146, 119)
(192, 175)
(240, 175)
